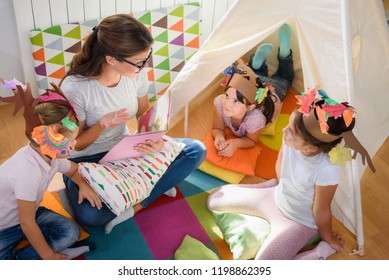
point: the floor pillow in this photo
(242, 161)
(193, 249)
(226, 175)
(243, 233)
(124, 183)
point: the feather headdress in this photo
(315, 118)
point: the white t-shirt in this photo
(92, 101)
(295, 192)
(25, 176)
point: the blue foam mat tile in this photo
(125, 242)
(198, 182)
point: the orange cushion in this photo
(242, 161)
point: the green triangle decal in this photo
(163, 37)
(56, 30)
(37, 40)
(194, 29)
(164, 51)
(58, 59)
(179, 12)
(164, 79)
(164, 65)
(74, 33)
(146, 18)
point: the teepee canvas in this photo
(340, 45)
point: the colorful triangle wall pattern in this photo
(176, 31)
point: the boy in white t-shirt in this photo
(26, 176)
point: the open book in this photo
(152, 125)
(125, 148)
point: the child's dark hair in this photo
(267, 105)
(336, 127)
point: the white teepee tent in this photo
(340, 45)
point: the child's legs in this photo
(59, 232)
(286, 238)
(263, 70)
(9, 238)
(242, 199)
(187, 161)
(285, 68)
(283, 78)
(85, 213)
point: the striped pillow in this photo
(124, 183)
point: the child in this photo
(282, 79)
(248, 105)
(26, 175)
(298, 206)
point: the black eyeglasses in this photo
(141, 64)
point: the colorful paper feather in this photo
(12, 84)
(340, 155)
(51, 143)
(321, 115)
(305, 100)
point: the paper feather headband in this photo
(236, 77)
(23, 98)
(315, 119)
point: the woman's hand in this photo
(115, 118)
(150, 147)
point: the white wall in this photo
(10, 65)
(15, 52)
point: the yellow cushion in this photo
(270, 129)
(221, 173)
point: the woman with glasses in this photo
(108, 86)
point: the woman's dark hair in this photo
(118, 36)
(336, 126)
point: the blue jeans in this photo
(186, 162)
(282, 79)
(59, 232)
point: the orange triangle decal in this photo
(59, 74)
(179, 26)
(150, 75)
(162, 91)
(195, 43)
(39, 55)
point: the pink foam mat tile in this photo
(165, 227)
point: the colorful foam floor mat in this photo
(156, 233)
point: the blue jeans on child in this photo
(59, 232)
(186, 162)
(282, 79)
